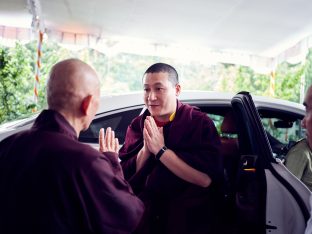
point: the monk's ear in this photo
(178, 89)
(86, 104)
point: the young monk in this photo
(171, 159)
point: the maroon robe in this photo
(51, 183)
(170, 200)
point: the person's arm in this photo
(142, 157)
(128, 153)
(183, 170)
(109, 201)
(155, 141)
(112, 201)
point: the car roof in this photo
(134, 99)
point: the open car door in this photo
(268, 198)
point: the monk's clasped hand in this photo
(108, 141)
(153, 135)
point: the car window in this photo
(284, 132)
(283, 129)
(217, 120)
(117, 121)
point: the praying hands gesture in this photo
(107, 141)
(153, 140)
(153, 135)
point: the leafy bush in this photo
(123, 73)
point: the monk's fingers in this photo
(158, 139)
(153, 138)
(152, 127)
(108, 137)
(101, 136)
(112, 142)
(152, 144)
(145, 147)
(148, 127)
(153, 124)
(161, 131)
(161, 135)
(144, 140)
(146, 136)
(113, 135)
(101, 140)
(157, 134)
(150, 120)
(108, 141)
(116, 145)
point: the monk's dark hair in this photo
(163, 67)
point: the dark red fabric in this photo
(52, 183)
(160, 124)
(193, 137)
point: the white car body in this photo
(286, 203)
(115, 103)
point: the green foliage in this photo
(197, 76)
(287, 82)
(17, 77)
(228, 78)
(308, 70)
(123, 72)
(247, 80)
(15, 88)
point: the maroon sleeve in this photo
(128, 155)
(197, 145)
(112, 157)
(108, 200)
(132, 145)
(204, 153)
(129, 167)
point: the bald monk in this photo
(50, 183)
(171, 159)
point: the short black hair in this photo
(163, 67)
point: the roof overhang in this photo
(259, 34)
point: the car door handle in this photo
(270, 227)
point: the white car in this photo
(261, 195)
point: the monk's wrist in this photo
(160, 152)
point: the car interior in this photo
(118, 122)
(244, 186)
(283, 130)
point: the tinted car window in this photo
(217, 120)
(283, 129)
(118, 122)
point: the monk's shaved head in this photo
(69, 83)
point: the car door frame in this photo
(258, 166)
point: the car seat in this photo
(229, 152)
